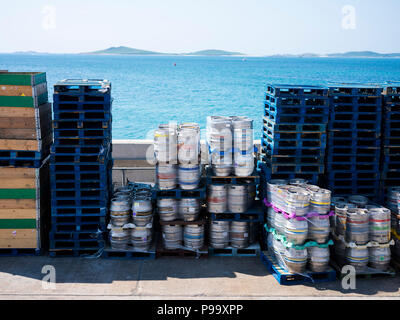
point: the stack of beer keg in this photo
(177, 152)
(131, 211)
(362, 234)
(298, 225)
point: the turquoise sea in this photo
(149, 90)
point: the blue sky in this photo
(255, 27)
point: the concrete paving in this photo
(169, 278)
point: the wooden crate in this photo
(22, 78)
(24, 207)
(25, 123)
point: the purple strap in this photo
(293, 215)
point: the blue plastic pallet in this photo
(352, 167)
(82, 133)
(372, 183)
(20, 252)
(353, 159)
(298, 159)
(348, 134)
(84, 97)
(198, 193)
(297, 104)
(251, 251)
(81, 125)
(80, 168)
(252, 179)
(82, 116)
(354, 143)
(239, 217)
(275, 144)
(68, 202)
(21, 163)
(286, 278)
(293, 127)
(57, 228)
(288, 90)
(94, 86)
(89, 151)
(76, 253)
(82, 211)
(355, 125)
(355, 117)
(78, 220)
(352, 150)
(267, 132)
(70, 185)
(266, 174)
(64, 110)
(338, 175)
(354, 89)
(291, 118)
(292, 152)
(295, 168)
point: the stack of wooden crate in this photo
(25, 140)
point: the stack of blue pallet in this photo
(294, 132)
(354, 144)
(80, 166)
(391, 138)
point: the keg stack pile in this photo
(231, 186)
(80, 166)
(294, 133)
(179, 189)
(25, 139)
(131, 223)
(354, 140)
(361, 235)
(298, 226)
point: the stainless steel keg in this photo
(379, 223)
(357, 226)
(379, 257)
(168, 209)
(318, 258)
(237, 198)
(193, 236)
(296, 231)
(217, 200)
(189, 209)
(172, 236)
(239, 234)
(189, 176)
(219, 234)
(167, 176)
(296, 260)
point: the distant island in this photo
(221, 53)
(131, 51)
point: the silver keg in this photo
(341, 216)
(298, 182)
(296, 260)
(166, 144)
(379, 257)
(271, 187)
(393, 199)
(357, 226)
(167, 176)
(243, 135)
(379, 224)
(141, 237)
(319, 259)
(189, 209)
(359, 201)
(222, 165)
(237, 198)
(296, 231)
(243, 164)
(120, 211)
(142, 211)
(168, 209)
(119, 238)
(320, 201)
(358, 257)
(189, 176)
(217, 200)
(193, 236)
(319, 228)
(239, 234)
(297, 201)
(172, 236)
(279, 223)
(189, 143)
(219, 234)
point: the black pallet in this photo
(198, 193)
(252, 179)
(20, 252)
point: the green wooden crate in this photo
(24, 102)
(18, 224)
(17, 193)
(22, 78)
